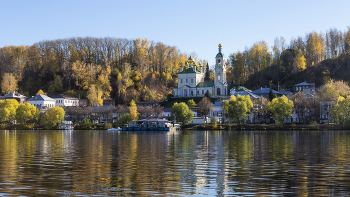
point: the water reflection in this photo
(175, 163)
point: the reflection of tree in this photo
(195, 162)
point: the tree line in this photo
(289, 64)
(93, 68)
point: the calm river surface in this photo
(183, 163)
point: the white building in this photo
(66, 100)
(191, 79)
(41, 101)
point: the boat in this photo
(114, 129)
(151, 124)
(66, 125)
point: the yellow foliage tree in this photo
(41, 92)
(52, 117)
(133, 111)
(8, 83)
(333, 89)
(8, 109)
(301, 61)
(94, 96)
(26, 112)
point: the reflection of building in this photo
(191, 79)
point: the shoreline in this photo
(232, 126)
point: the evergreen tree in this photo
(207, 73)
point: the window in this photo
(191, 93)
(191, 80)
(181, 81)
(202, 91)
(186, 80)
(218, 91)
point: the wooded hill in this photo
(143, 70)
(93, 67)
(316, 58)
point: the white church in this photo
(191, 79)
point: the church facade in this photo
(191, 79)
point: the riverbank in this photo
(199, 127)
(265, 127)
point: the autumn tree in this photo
(8, 109)
(26, 112)
(315, 48)
(333, 89)
(238, 68)
(340, 112)
(281, 108)
(40, 92)
(204, 106)
(181, 113)
(52, 117)
(237, 108)
(191, 103)
(300, 61)
(133, 111)
(8, 83)
(303, 106)
(94, 96)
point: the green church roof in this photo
(189, 70)
(205, 84)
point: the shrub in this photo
(85, 124)
(213, 123)
(107, 125)
(314, 125)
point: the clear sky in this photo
(192, 25)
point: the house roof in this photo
(64, 96)
(41, 97)
(252, 95)
(264, 91)
(242, 89)
(205, 84)
(219, 103)
(167, 109)
(14, 95)
(305, 84)
(285, 92)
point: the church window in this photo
(218, 91)
(186, 80)
(191, 93)
(191, 80)
(181, 81)
(202, 91)
(197, 92)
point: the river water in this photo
(182, 163)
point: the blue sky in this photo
(193, 26)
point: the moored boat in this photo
(151, 124)
(66, 125)
(114, 129)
